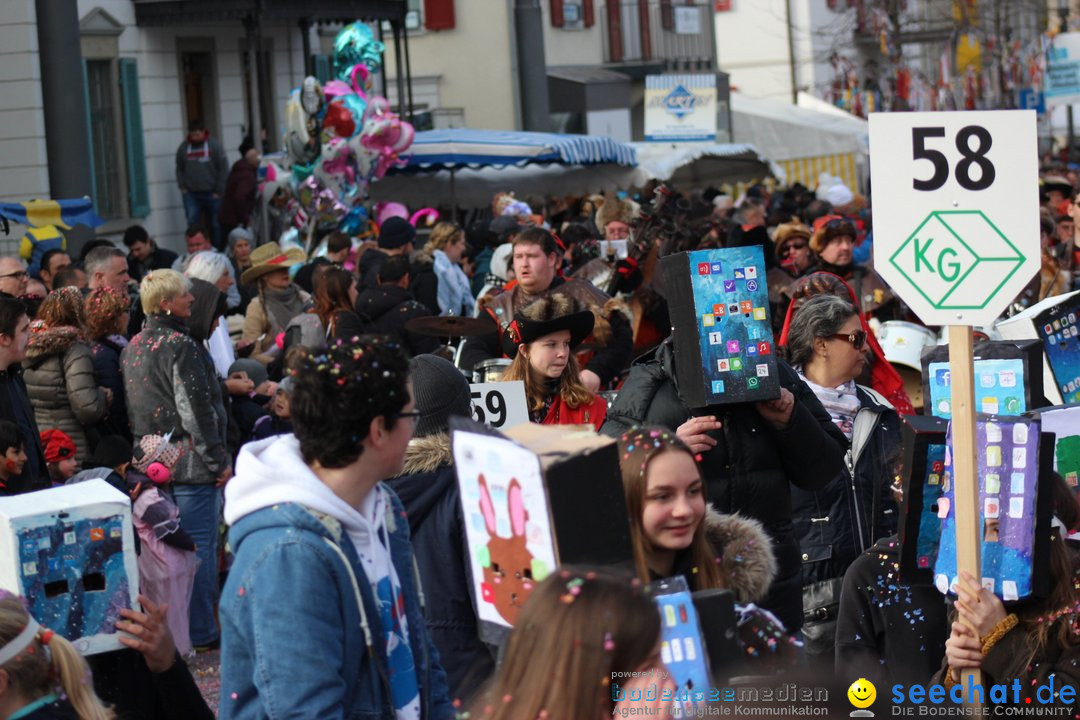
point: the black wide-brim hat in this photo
(524, 331)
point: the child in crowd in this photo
(1038, 642)
(45, 678)
(278, 422)
(577, 631)
(167, 560)
(108, 462)
(12, 454)
(59, 455)
(674, 532)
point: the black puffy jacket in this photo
(428, 489)
(854, 510)
(753, 464)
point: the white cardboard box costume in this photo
(70, 551)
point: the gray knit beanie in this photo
(440, 390)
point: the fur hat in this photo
(549, 314)
(610, 208)
(788, 230)
(828, 227)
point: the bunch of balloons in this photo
(340, 136)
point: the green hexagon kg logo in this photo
(957, 259)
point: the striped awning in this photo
(460, 148)
(806, 170)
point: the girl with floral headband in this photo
(42, 676)
(579, 633)
(673, 531)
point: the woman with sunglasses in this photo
(792, 246)
(828, 347)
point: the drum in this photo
(903, 342)
(490, 370)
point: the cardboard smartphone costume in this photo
(924, 441)
(719, 304)
(70, 551)
(533, 498)
(1024, 326)
(681, 647)
(1007, 380)
(1064, 423)
(1014, 506)
(1059, 329)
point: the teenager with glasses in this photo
(828, 347)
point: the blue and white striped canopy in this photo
(461, 148)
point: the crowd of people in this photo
(297, 399)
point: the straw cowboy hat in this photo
(270, 257)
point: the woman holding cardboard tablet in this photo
(541, 341)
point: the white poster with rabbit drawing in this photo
(507, 523)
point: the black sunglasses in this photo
(857, 338)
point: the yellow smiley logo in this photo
(862, 693)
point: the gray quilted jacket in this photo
(171, 386)
(59, 376)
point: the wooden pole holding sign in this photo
(964, 465)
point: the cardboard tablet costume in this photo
(1059, 329)
(1063, 422)
(681, 648)
(1007, 378)
(719, 306)
(1015, 509)
(70, 551)
(533, 498)
(924, 441)
(1026, 326)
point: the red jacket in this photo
(592, 414)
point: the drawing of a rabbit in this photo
(508, 576)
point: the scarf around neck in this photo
(841, 402)
(283, 305)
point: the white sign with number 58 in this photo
(500, 404)
(956, 210)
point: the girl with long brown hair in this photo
(335, 304)
(42, 676)
(1039, 640)
(541, 341)
(579, 634)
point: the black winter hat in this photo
(440, 390)
(396, 232)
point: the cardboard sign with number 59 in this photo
(500, 404)
(956, 210)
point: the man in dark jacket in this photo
(428, 489)
(385, 308)
(749, 455)
(239, 199)
(396, 237)
(201, 170)
(143, 253)
(536, 258)
(14, 401)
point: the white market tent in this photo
(804, 141)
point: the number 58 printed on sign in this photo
(956, 210)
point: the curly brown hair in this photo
(103, 309)
(62, 307)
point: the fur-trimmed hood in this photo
(427, 454)
(52, 340)
(747, 564)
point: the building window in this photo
(104, 144)
(414, 15)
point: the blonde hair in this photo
(161, 285)
(443, 234)
(49, 660)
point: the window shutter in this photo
(89, 136)
(588, 13)
(321, 65)
(439, 14)
(558, 14)
(667, 15)
(138, 189)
